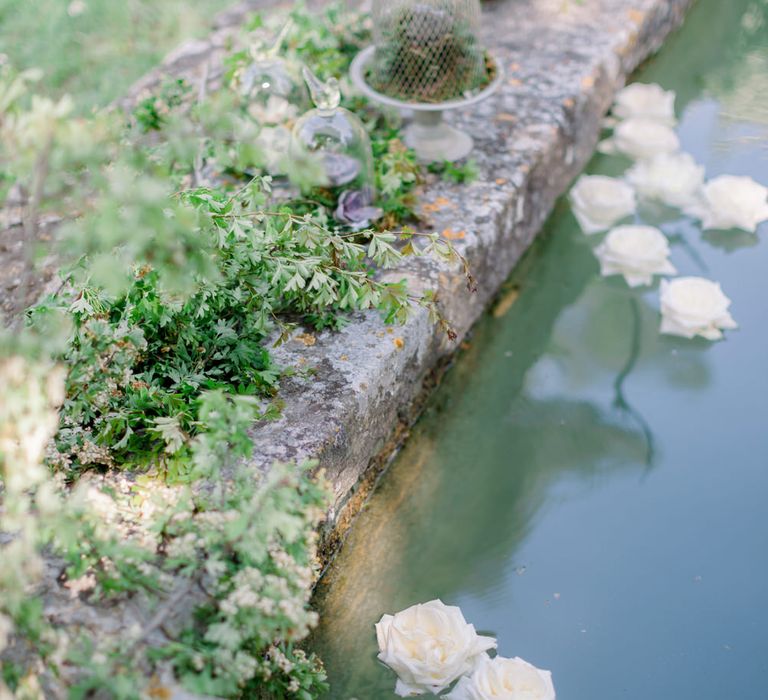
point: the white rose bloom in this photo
(505, 679)
(672, 178)
(429, 646)
(599, 202)
(692, 306)
(641, 139)
(731, 201)
(646, 101)
(637, 252)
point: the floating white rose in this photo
(672, 178)
(504, 679)
(641, 139)
(731, 201)
(646, 101)
(429, 646)
(637, 252)
(599, 202)
(276, 110)
(692, 306)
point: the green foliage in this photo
(260, 542)
(140, 360)
(459, 173)
(150, 113)
(181, 268)
(397, 173)
(95, 49)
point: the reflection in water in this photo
(588, 490)
(404, 554)
(730, 62)
(620, 402)
(731, 241)
(407, 546)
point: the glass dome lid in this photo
(271, 84)
(340, 145)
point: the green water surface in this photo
(590, 492)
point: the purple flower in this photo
(355, 209)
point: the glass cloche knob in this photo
(338, 141)
(272, 84)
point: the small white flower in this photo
(637, 252)
(76, 8)
(505, 679)
(641, 139)
(599, 202)
(672, 178)
(646, 101)
(429, 646)
(731, 201)
(277, 110)
(692, 306)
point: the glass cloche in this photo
(337, 140)
(272, 85)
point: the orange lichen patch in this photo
(452, 235)
(514, 82)
(501, 181)
(568, 102)
(637, 16)
(505, 302)
(514, 67)
(399, 343)
(344, 358)
(504, 117)
(587, 82)
(438, 204)
(307, 338)
(161, 692)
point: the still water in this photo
(590, 492)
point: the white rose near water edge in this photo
(731, 201)
(429, 646)
(637, 252)
(692, 306)
(504, 679)
(672, 178)
(599, 202)
(646, 101)
(641, 139)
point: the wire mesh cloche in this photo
(427, 50)
(272, 84)
(337, 142)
